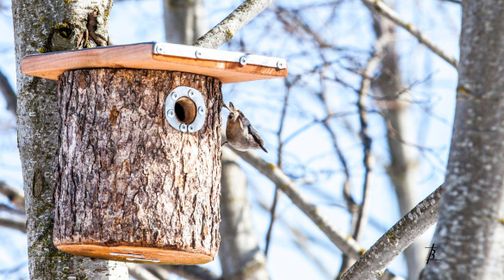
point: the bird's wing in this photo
(256, 137)
(253, 132)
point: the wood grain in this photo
(139, 56)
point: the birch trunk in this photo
(43, 26)
(470, 232)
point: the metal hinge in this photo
(218, 55)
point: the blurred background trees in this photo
(361, 127)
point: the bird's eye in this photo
(229, 116)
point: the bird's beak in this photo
(225, 106)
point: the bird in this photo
(240, 134)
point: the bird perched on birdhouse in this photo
(240, 134)
(148, 147)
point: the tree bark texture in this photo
(44, 26)
(240, 254)
(470, 232)
(131, 187)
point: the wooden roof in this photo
(229, 67)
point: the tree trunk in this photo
(403, 167)
(131, 186)
(185, 21)
(240, 255)
(44, 26)
(470, 234)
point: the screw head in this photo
(174, 95)
(197, 53)
(243, 60)
(201, 110)
(190, 128)
(191, 93)
(280, 65)
(170, 113)
(183, 127)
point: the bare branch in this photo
(190, 272)
(347, 244)
(396, 239)
(453, 1)
(371, 66)
(13, 223)
(14, 195)
(283, 115)
(300, 240)
(226, 29)
(8, 93)
(140, 273)
(381, 8)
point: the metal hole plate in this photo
(195, 96)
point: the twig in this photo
(347, 195)
(140, 273)
(365, 85)
(226, 29)
(347, 245)
(8, 93)
(11, 210)
(13, 224)
(279, 164)
(360, 219)
(158, 271)
(379, 7)
(191, 272)
(300, 240)
(396, 239)
(284, 15)
(453, 1)
(14, 195)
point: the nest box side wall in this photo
(131, 186)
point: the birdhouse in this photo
(140, 146)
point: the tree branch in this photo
(346, 244)
(396, 239)
(140, 273)
(371, 66)
(280, 143)
(381, 8)
(14, 195)
(190, 272)
(17, 224)
(8, 93)
(225, 30)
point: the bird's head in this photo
(234, 113)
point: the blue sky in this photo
(311, 150)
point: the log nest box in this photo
(140, 147)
